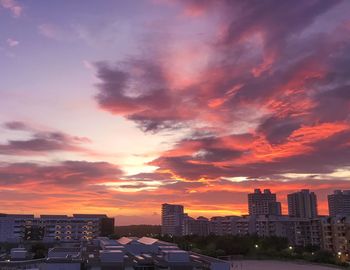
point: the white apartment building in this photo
(51, 228)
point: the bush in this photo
(323, 256)
(39, 250)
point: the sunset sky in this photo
(119, 106)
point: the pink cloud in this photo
(12, 42)
(41, 142)
(50, 31)
(13, 6)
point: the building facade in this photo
(51, 228)
(172, 219)
(336, 234)
(263, 203)
(339, 203)
(302, 204)
(224, 225)
(125, 253)
(302, 227)
(199, 226)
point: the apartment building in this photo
(263, 203)
(199, 226)
(51, 228)
(336, 234)
(224, 225)
(302, 227)
(302, 204)
(267, 225)
(125, 253)
(339, 203)
(12, 227)
(172, 219)
(307, 232)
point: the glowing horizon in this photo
(116, 107)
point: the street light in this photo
(290, 247)
(256, 246)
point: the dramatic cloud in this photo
(67, 173)
(260, 66)
(92, 185)
(273, 98)
(234, 94)
(63, 187)
(263, 74)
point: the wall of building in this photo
(51, 228)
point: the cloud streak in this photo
(41, 142)
(66, 174)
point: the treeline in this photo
(137, 230)
(253, 247)
(218, 246)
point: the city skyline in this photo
(118, 106)
(299, 207)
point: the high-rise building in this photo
(339, 203)
(172, 219)
(263, 203)
(302, 204)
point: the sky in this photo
(119, 106)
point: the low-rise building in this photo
(199, 226)
(336, 234)
(224, 225)
(54, 228)
(145, 253)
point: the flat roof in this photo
(89, 215)
(111, 251)
(151, 241)
(64, 249)
(126, 240)
(53, 216)
(147, 240)
(109, 242)
(176, 251)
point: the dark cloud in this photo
(137, 90)
(218, 154)
(67, 173)
(16, 125)
(41, 142)
(277, 130)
